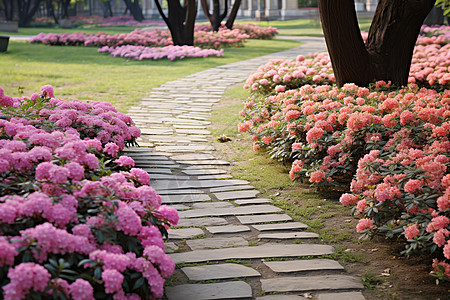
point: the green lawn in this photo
(304, 27)
(82, 73)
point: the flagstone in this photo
(253, 201)
(264, 218)
(177, 192)
(191, 148)
(303, 265)
(213, 221)
(214, 243)
(229, 211)
(231, 188)
(219, 271)
(255, 252)
(310, 283)
(236, 194)
(184, 198)
(200, 172)
(157, 170)
(225, 290)
(168, 177)
(227, 228)
(204, 162)
(170, 247)
(216, 204)
(192, 156)
(220, 176)
(192, 131)
(192, 184)
(281, 297)
(280, 226)
(180, 206)
(342, 296)
(184, 233)
(288, 235)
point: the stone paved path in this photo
(230, 243)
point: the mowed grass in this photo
(304, 27)
(82, 73)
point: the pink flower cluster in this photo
(63, 211)
(170, 52)
(148, 38)
(429, 68)
(391, 147)
(253, 31)
(104, 22)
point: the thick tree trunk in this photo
(181, 20)
(64, 9)
(389, 47)
(27, 9)
(135, 9)
(233, 14)
(8, 6)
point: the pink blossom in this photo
(111, 149)
(169, 213)
(81, 289)
(364, 224)
(125, 161)
(113, 281)
(412, 231)
(413, 185)
(317, 176)
(24, 278)
(140, 175)
(348, 199)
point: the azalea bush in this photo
(170, 52)
(429, 68)
(253, 31)
(77, 220)
(138, 37)
(80, 21)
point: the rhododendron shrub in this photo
(138, 37)
(430, 68)
(71, 227)
(253, 31)
(170, 52)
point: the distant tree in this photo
(387, 53)
(135, 9)
(8, 9)
(216, 17)
(27, 9)
(181, 20)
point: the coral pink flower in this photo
(412, 231)
(348, 199)
(317, 176)
(364, 224)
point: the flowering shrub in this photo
(253, 31)
(100, 21)
(70, 227)
(139, 37)
(429, 68)
(170, 52)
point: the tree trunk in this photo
(181, 21)
(135, 9)
(388, 50)
(233, 14)
(64, 9)
(27, 9)
(51, 11)
(216, 18)
(8, 6)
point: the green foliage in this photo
(445, 5)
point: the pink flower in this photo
(47, 91)
(314, 133)
(447, 250)
(111, 149)
(317, 176)
(25, 277)
(140, 175)
(439, 237)
(169, 213)
(81, 289)
(129, 222)
(125, 161)
(364, 224)
(76, 171)
(438, 222)
(348, 199)
(7, 252)
(113, 281)
(412, 231)
(413, 185)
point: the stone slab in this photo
(232, 195)
(192, 156)
(227, 229)
(280, 226)
(157, 171)
(215, 243)
(288, 235)
(184, 233)
(192, 131)
(303, 265)
(255, 252)
(281, 297)
(202, 222)
(230, 211)
(231, 188)
(170, 247)
(181, 149)
(168, 177)
(210, 162)
(200, 172)
(180, 206)
(264, 218)
(310, 283)
(217, 204)
(178, 192)
(195, 184)
(220, 176)
(184, 198)
(342, 296)
(220, 271)
(253, 201)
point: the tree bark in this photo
(216, 17)
(388, 50)
(8, 7)
(233, 14)
(135, 9)
(27, 9)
